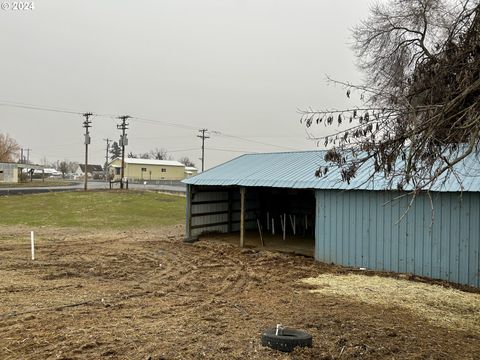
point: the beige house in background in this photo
(148, 169)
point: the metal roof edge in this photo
(185, 181)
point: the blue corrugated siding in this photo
(363, 229)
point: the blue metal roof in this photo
(297, 170)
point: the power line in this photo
(180, 150)
(164, 123)
(20, 105)
(140, 119)
(166, 136)
(36, 107)
(215, 132)
(270, 136)
(233, 150)
(251, 141)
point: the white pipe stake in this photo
(279, 330)
(32, 240)
(292, 221)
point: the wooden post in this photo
(189, 212)
(242, 217)
(229, 215)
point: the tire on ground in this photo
(286, 342)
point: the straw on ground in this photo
(443, 306)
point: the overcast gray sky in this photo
(240, 67)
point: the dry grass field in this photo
(141, 293)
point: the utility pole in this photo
(203, 137)
(106, 158)
(86, 125)
(24, 160)
(28, 155)
(123, 142)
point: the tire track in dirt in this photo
(168, 300)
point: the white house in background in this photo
(42, 172)
(93, 171)
(48, 172)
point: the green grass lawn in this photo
(93, 209)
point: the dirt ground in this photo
(146, 295)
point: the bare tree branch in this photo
(420, 109)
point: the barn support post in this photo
(242, 216)
(188, 230)
(229, 214)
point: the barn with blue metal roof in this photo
(364, 223)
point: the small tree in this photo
(139, 156)
(186, 161)
(160, 154)
(72, 166)
(63, 168)
(9, 148)
(115, 151)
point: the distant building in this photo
(93, 171)
(190, 171)
(47, 172)
(9, 172)
(14, 172)
(150, 170)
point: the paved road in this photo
(91, 185)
